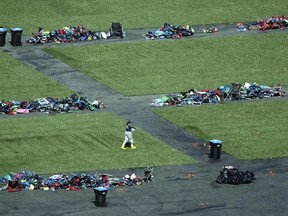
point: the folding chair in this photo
(226, 91)
(116, 30)
(236, 91)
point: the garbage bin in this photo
(215, 149)
(16, 36)
(100, 196)
(3, 32)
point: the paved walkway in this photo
(177, 190)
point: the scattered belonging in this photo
(209, 30)
(274, 22)
(170, 31)
(231, 91)
(49, 105)
(69, 34)
(27, 180)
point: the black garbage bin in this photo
(100, 196)
(215, 149)
(3, 32)
(16, 34)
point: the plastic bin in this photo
(100, 196)
(16, 34)
(3, 32)
(215, 149)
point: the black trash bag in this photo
(248, 177)
(231, 175)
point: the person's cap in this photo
(130, 121)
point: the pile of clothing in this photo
(225, 92)
(50, 105)
(63, 35)
(274, 22)
(27, 180)
(170, 31)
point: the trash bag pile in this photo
(231, 91)
(50, 105)
(274, 22)
(231, 175)
(27, 180)
(170, 31)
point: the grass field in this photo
(64, 143)
(78, 143)
(248, 130)
(179, 65)
(98, 15)
(21, 82)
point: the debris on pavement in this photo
(231, 91)
(169, 31)
(27, 180)
(50, 105)
(231, 175)
(274, 22)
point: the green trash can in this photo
(100, 196)
(215, 149)
(16, 34)
(3, 32)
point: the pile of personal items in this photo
(210, 30)
(231, 175)
(170, 31)
(63, 35)
(27, 180)
(231, 91)
(75, 34)
(274, 22)
(237, 91)
(50, 105)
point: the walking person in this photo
(128, 136)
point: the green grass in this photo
(98, 14)
(78, 142)
(21, 82)
(179, 65)
(254, 130)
